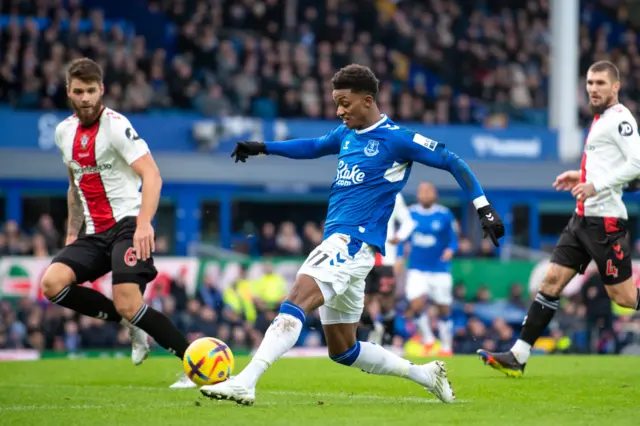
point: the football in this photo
(208, 361)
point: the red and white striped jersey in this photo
(400, 226)
(99, 158)
(610, 159)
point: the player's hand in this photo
(245, 149)
(567, 180)
(583, 191)
(143, 240)
(70, 239)
(491, 223)
(447, 255)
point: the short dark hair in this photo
(358, 78)
(607, 66)
(84, 69)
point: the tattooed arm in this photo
(75, 211)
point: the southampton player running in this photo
(107, 160)
(433, 245)
(597, 230)
(375, 156)
(380, 284)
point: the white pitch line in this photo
(346, 396)
(86, 406)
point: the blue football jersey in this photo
(435, 231)
(373, 166)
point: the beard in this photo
(599, 109)
(87, 115)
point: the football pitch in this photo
(559, 390)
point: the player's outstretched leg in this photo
(374, 359)
(282, 335)
(538, 317)
(58, 285)
(129, 303)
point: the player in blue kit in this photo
(433, 243)
(375, 156)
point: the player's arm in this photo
(434, 154)
(147, 169)
(75, 210)
(135, 151)
(296, 148)
(627, 138)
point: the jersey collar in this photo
(373, 126)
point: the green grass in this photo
(560, 390)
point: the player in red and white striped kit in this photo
(598, 229)
(107, 162)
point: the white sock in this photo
(377, 360)
(521, 350)
(424, 326)
(281, 336)
(445, 330)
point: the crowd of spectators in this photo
(241, 313)
(439, 61)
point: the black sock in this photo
(538, 318)
(638, 300)
(162, 330)
(87, 301)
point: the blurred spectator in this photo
(288, 240)
(311, 238)
(267, 242)
(211, 295)
(238, 301)
(269, 291)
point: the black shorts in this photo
(381, 280)
(601, 239)
(92, 256)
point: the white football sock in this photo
(445, 330)
(424, 326)
(377, 360)
(521, 350)
(282, 335)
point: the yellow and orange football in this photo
(208, 361)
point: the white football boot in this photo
(438, 382)
(230, 390)
(139, 344)
(183, 383)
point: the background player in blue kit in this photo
(433, 244)
(375, 156)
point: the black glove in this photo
(491, 223)
(245, 149)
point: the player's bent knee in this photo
(349, 356)
(128, 299)
(55, 279)
(556, 279)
